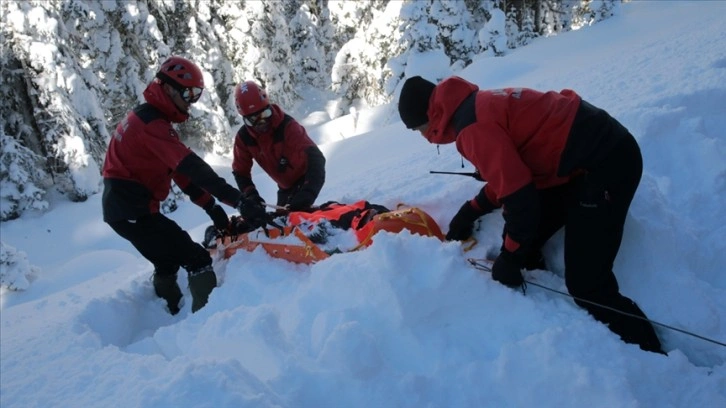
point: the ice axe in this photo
(276, 207)
(474, 174)
(286, 209)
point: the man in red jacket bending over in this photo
(549, 160)
(281, 147)
(143, 157)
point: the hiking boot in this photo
(636, 331)
(201, 283)
(166, 288)
(624, 318)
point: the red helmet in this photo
(181, 73)
(250, 98)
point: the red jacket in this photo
(145, 155)
(514, 137)
(286, 161)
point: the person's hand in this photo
(254, 196)
(302, 200)
(534, 260)
(253, 212)
(462, 225)
(218, 216)
(507, 269)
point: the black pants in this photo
(592, 208)
(163, 243)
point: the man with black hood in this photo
(550, 160)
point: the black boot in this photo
(201, 283)
(631, 329)
(166, 288)
(636, 331)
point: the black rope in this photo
(486, 268)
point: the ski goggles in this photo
(258, 117)
(190, 95)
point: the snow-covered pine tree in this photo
(527, 30)
(588, 12)
(492, 37)
(16, 273)
(418, 35)
(360, 71)
(308, 48)
(456, 30)
(119, 45)
(187, 31)
(23, 172)
(72, 134)
(605, 8)
(22, 180)
(383, 39)
(348, 73)
(418, 32)
(512, 28)
(269, 37)
(347, 17)
(237, 62)
(73, 68)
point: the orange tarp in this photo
(411, 219)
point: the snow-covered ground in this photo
(406, 322)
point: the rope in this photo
(482, 267)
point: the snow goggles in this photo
(190, 95)
(256, 118)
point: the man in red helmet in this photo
(143, 157)
(549, 159)
(281, 147)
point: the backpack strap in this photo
(277, 137)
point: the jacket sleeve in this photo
(485, 202)
(244, 183)
(196, 194)
(509, 182)
(242, 167)
(241, 163)
(315, 174)
(521, 217)
(308, 154)
(201, 174)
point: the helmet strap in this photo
(169, 80)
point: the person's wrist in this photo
(209, 206)
(511, 257)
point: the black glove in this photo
(210, 237)
(253, 195)
(507, 269)
(218, 216)
(462, 225)
(253, 212)
(302, 200)
(534, 260)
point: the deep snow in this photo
(406, 322)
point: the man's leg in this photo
(166, 245)
(593, 233)
(553, 205)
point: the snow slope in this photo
(406, 322)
